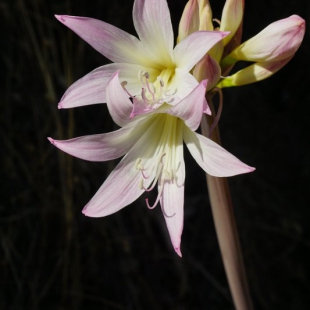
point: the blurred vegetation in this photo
(53, 257)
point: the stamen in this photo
(161, 81)
(165, 214)
(158, 173)
(124, 83)
(219, 111)
(171, 94)
(156, 201)
(143, 95)
(140, 167)
(217, 21)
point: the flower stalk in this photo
(226, 228)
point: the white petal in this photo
(153, 25)
(118, 102)
(123, 185)
(91, 88)
(121, 188)
(183, 83)
(190, 109)
(211, 157)
(101, 147)
(172, 199)
(172, 202)
(112, 42)
(189, 51)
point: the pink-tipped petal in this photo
(91, 88)
(206, 108)
(172, 199)
(127, 181)
(153, 24)
(112, 42)
(211, 157)
(172, 202)
(190, 109)
(118, 102)
(208, 69)
(101, 147)
(121, 188)
(189, 51)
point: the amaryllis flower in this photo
(152, 142)
(151, 56)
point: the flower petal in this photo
(172, 199)
(211, 157)
(182, 83)
(123, 185)
(208, 69)
(172, 202)
(189, 51)
(118, 102)
(91, 88)
(112, 42)
(153, 24)
(190, 109)
(101, 147)
(121, 188)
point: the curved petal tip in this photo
(178, 251)
(51, 140)
(61, 18)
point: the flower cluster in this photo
(267, 52)
(156, 93)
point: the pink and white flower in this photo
(158, 104)
(152, 53)
(153, 147)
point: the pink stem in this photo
(226, 229)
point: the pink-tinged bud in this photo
(280, 40)
(197, 15)
(253, 73)
(189, 22)
(232, 16)
(208, 69)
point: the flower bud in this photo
(280, 40)
(232, 16)
(253, 73)
(197, 15)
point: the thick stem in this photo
(226, 230)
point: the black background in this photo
(53, 257)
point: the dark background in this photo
(53, 257)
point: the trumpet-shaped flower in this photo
(152, 143)
(151, 56)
